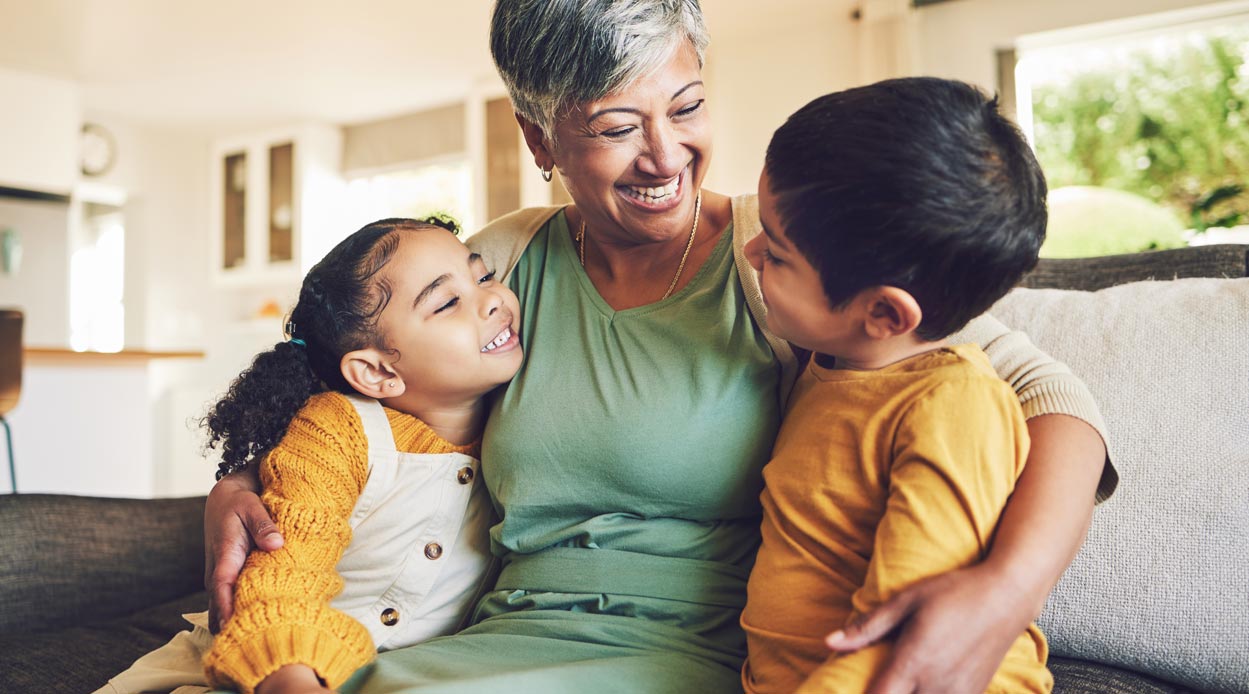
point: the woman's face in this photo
(634, 160)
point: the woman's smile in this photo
(659, 197)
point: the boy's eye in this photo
(488, 277)
(448, 305)
(769, 258)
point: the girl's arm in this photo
(283, 614)
(954, 629)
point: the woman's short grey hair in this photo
(554, 54)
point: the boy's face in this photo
(798, 309)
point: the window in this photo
(415, 191)
(1143, 135)
(97, 317)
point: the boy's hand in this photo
(292, 679)
(952, 632)
(234, 518)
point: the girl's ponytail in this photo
(339, 303)
(253, 416)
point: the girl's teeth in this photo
(503, 337)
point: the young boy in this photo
(893, 214)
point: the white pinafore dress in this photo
(419, 558)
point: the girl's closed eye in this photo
(447, 305)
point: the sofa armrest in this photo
(72, 559)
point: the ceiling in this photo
(209, 62)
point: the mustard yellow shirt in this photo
(879, 479)
(282, 612)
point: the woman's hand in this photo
(952, 632)
(234, 519)
(292, 679)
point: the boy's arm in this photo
(282, 610)
(956, 458)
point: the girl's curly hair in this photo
(339, 304)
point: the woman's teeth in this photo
(503, 337)
(652, 194)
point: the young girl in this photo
(366, 424)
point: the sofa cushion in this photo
(1161, 585)
(1082, 677)
(80, 658)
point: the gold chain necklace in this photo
(698, 206)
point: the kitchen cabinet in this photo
(273, 197)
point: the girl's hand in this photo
(292, 679)
(952, 632)
(234, 519)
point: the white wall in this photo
(39, 124)
(756, 78)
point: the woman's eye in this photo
(488, 277)
(691, 108)
(448, 305)
(618, 132)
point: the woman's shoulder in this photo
(503, 241)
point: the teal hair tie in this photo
(297, 341)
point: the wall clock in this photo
(97, 150)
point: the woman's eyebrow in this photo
(622, 109)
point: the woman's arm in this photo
(954, 629)
(234, 522)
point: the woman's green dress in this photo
(624, 461)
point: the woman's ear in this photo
(369, 372)
(891, 312)
(535, 139)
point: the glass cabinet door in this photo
(281, 202)
(234, 202)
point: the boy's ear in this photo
(536, 141)
(891, 312)
(369, 372)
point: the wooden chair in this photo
(10, 376)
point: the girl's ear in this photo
(369, 372)
(536, 141)
(891, 312)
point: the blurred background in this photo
(168, 170)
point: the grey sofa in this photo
(88, 584)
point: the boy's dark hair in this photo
(339, 303)
(917, 183)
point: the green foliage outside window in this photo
(1171, 126)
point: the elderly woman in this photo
(625, 458)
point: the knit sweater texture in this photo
(312, 481)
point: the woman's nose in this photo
(664, 156)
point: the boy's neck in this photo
(880, 353)
(459, 423)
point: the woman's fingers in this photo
(875, 625)
(234, 521)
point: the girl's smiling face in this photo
(450, 328)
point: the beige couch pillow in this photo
(1162, 583)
